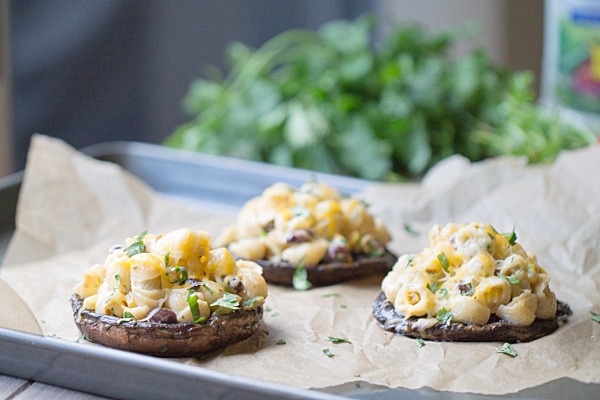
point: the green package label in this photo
(578, 80)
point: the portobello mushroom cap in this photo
(324, 274)
(182, 339)
(496, 330)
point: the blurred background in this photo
(102, 70)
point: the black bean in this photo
(234, 283)
(299, 236)
(269, 227)
(164, 316)
(338, 252)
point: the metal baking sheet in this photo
(217, 182)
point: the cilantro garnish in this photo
(443, 261)
(512, 237)
(336, 340)
(229, 301)
(595, 317)
(433, 286)
(409, 229)
(137, 246)
(253, 301)
(127, 314)
(177, 275)
(507, 349)
(300, 279)
(127, 317)
(328, 353)
(280, 342)
(443, 293)
(420, 342)
(193, 303)
(444, 316)
(511, 279)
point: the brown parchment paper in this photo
(73, 208)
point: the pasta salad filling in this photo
(307, 226)
(176, 277)
(469, 274)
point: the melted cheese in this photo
(473, 272)
(139, 283)
(269, 226)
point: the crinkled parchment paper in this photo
(73, 208)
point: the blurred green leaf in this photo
(333, 101)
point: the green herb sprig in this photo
(137, 246)
(331, 100)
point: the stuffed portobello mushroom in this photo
(170, 295)
(311, 235)
(471, 284)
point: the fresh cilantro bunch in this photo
(333, 101)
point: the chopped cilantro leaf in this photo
(443, 293)
(444, 316)
(512, 237)
(256, 300)
(177, 275)
(507, 349)
(433, 286)
(420, 342)
(137, 246)
(511, 279)
(409, 229)
(229, 301)
(336, 340)
(595, 317)
(280, 342)
(443, 261)
(300, 279)
(193, 303)
(127, 314)
(328, 353)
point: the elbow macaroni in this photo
(152, 277)
(473, 272)
(298, 225)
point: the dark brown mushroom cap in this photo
(282, 273)
(184, 339)
(494, 331)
